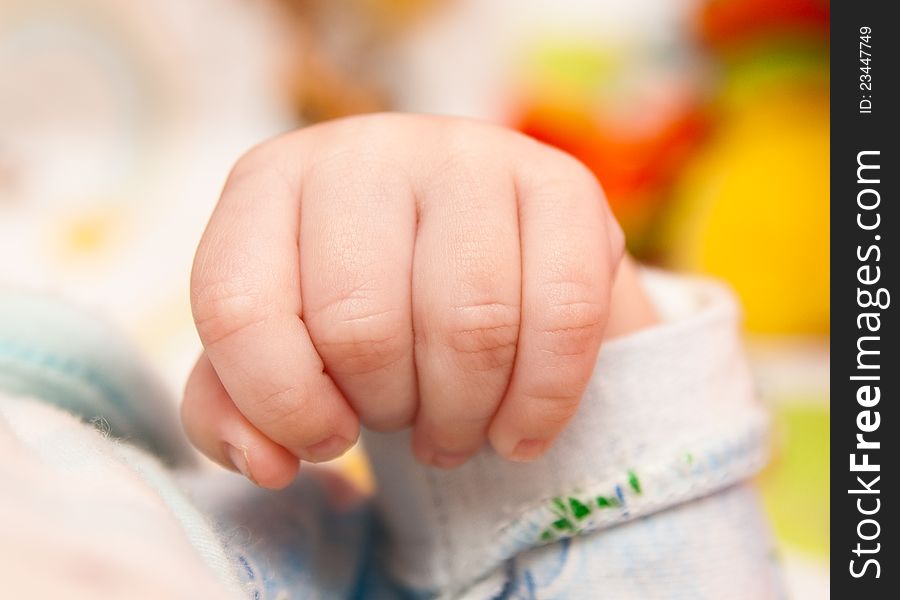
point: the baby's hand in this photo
(401, 271)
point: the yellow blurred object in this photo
(753, 209)
(90, 239)
(795, 484)
(88, 234)
(355, 467)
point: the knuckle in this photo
(223, 308)
(284, 415)
(363, 353)
(283, 405)
(556, 387)
(252, 159)
(361, 340)
(616, 237)
(265, 157)
(572, 328)
(483, 336)
(565, 176)
(554, 410)
(469, 145)
(573, 170)
(458, 134)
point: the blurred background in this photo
(705, 120)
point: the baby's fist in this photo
(401, 271)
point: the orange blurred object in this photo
(634, 161)
(726, 22)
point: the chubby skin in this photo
(401, 271)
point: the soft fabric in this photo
(642, 497)
(87, 511)
(715, 547)
(83, 500)
(83, 516)
(669, 416)
(73, 359)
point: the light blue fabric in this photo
(76, 361)
(288, 544)
(295, 544)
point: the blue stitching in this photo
(243, 560)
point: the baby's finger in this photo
(245, 295)
(218, 429)
(570, 250)
(466, 283)
(356, 246)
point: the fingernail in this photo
(238, 458)
(327, 449)
(527, 450)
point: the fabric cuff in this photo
(669, 415)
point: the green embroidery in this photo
(578, 509)
(610, 502)
(634, 482)
(570, 512)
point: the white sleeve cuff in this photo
(669, 415)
